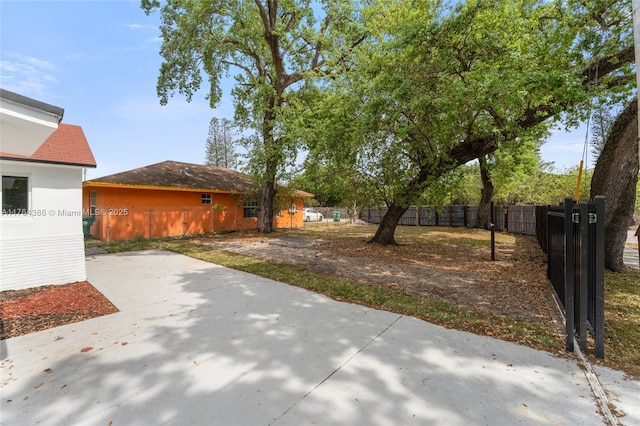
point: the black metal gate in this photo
(575, 250)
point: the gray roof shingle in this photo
(175, 174)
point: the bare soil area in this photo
(453, 266)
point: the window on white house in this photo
(15, 195)
(206, 199)
(250, 208)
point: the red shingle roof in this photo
(67, 145)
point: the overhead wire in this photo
(585, 148)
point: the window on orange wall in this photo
(250, 208)
(206, 199)
(92, 202)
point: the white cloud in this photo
(133, 26)
(38, 63)
(27, 75)
(81, 56)
(153, 40)
(145, 44)
(148, 109)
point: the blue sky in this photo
(99, 61)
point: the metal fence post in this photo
(184, 221)
(599, 277)
(584, 275)
(492, 225)
(569, 287)
(108, 227)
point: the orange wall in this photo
(127, 213)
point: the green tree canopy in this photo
(440, 84)
(273, 48)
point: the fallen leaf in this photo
(87, 349)
(47, 370)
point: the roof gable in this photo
(25, 123)
(67, 145)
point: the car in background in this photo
(312, 215)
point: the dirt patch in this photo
(459, 271)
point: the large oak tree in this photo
(274, 48)
(443, 85)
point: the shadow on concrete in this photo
(196, 343)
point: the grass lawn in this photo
(622, 300)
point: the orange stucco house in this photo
(174, 198)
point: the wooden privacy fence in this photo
(513, 219)
(574, 245)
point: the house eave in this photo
(94, 184)
(90, 183)
(35, 160)
(56, 111)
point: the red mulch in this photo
(40, 308)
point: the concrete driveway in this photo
(631, 256)
(199, 344)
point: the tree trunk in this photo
(265, 217)
(354, 212)
(616, 176)
(487, 194)
(387, 228)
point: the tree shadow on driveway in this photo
(195, 343)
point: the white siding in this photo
(47, 246)
(42, 261)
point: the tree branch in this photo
(604, 66)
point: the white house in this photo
(41, 161)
